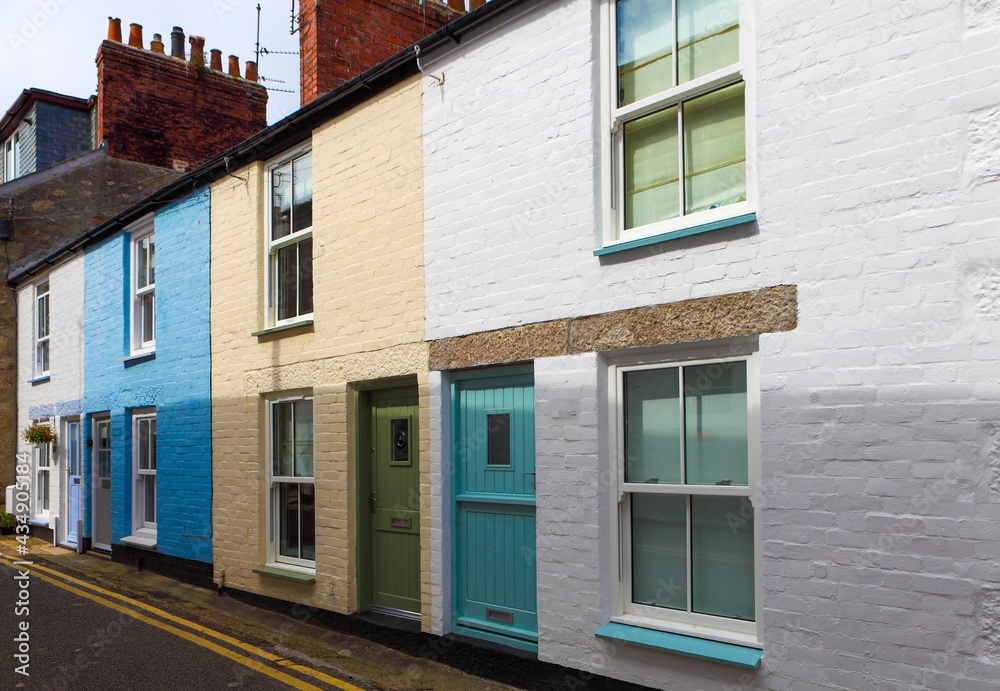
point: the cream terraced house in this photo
(320, 369)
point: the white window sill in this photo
(655, 237)
(41, 522)
(143, 538)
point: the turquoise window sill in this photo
(688, 646)
(674, 234)
(39, 380)
(287, 574)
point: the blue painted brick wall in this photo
(177, 382)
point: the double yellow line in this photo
(106, 598)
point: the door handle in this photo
(373, 501)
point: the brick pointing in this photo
(166, 112)
(879, 193)
(340, 39)
(176, 382)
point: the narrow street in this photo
(110, 628)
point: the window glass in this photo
(715, 150)
(659, 550)
(303, 438)
(149, 498)
(652, 191)
(305, 284)
(715, 414)
(722, 559)
(498, 439)
(707, 36)
(281, 201)
(283, 440)
(653, 426)
(302, 193)
(645, 49)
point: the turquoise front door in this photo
(493, 451)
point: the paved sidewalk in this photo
(351, 657)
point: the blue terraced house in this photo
(147, 399)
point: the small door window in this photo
(498, 439)
(400, 428)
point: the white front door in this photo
(73, 481)
(101, 470)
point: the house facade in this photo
(319, 366)
(708, 406)
(147, 390)
(50, 392)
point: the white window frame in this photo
(140, 526)
(141, 236)
(274, 557)
(43, 464)
(43, 311)
(613, 118)
(272, 246)
(12, 157)
(624, 611)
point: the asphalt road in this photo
(77, 644)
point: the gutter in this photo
(287, 132)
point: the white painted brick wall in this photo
(879, 197)
(65, 358)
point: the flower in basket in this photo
(39, 434)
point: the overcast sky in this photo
(51, 44)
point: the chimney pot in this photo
(234, 66)
(197, 50)
(251, 71)
(157, 45)
(135, 35)
(114, 29)
(216, 59)
(177, 43)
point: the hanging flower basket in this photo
(39, 434)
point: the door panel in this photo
(494, 457)
(101, 470)
(73, 481)
(394, 502)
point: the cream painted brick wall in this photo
(368, 325)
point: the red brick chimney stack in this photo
(170, 112)
(340, 39)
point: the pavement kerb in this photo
(357, 660)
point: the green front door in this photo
(393, 502)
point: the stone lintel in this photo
(768, 310)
